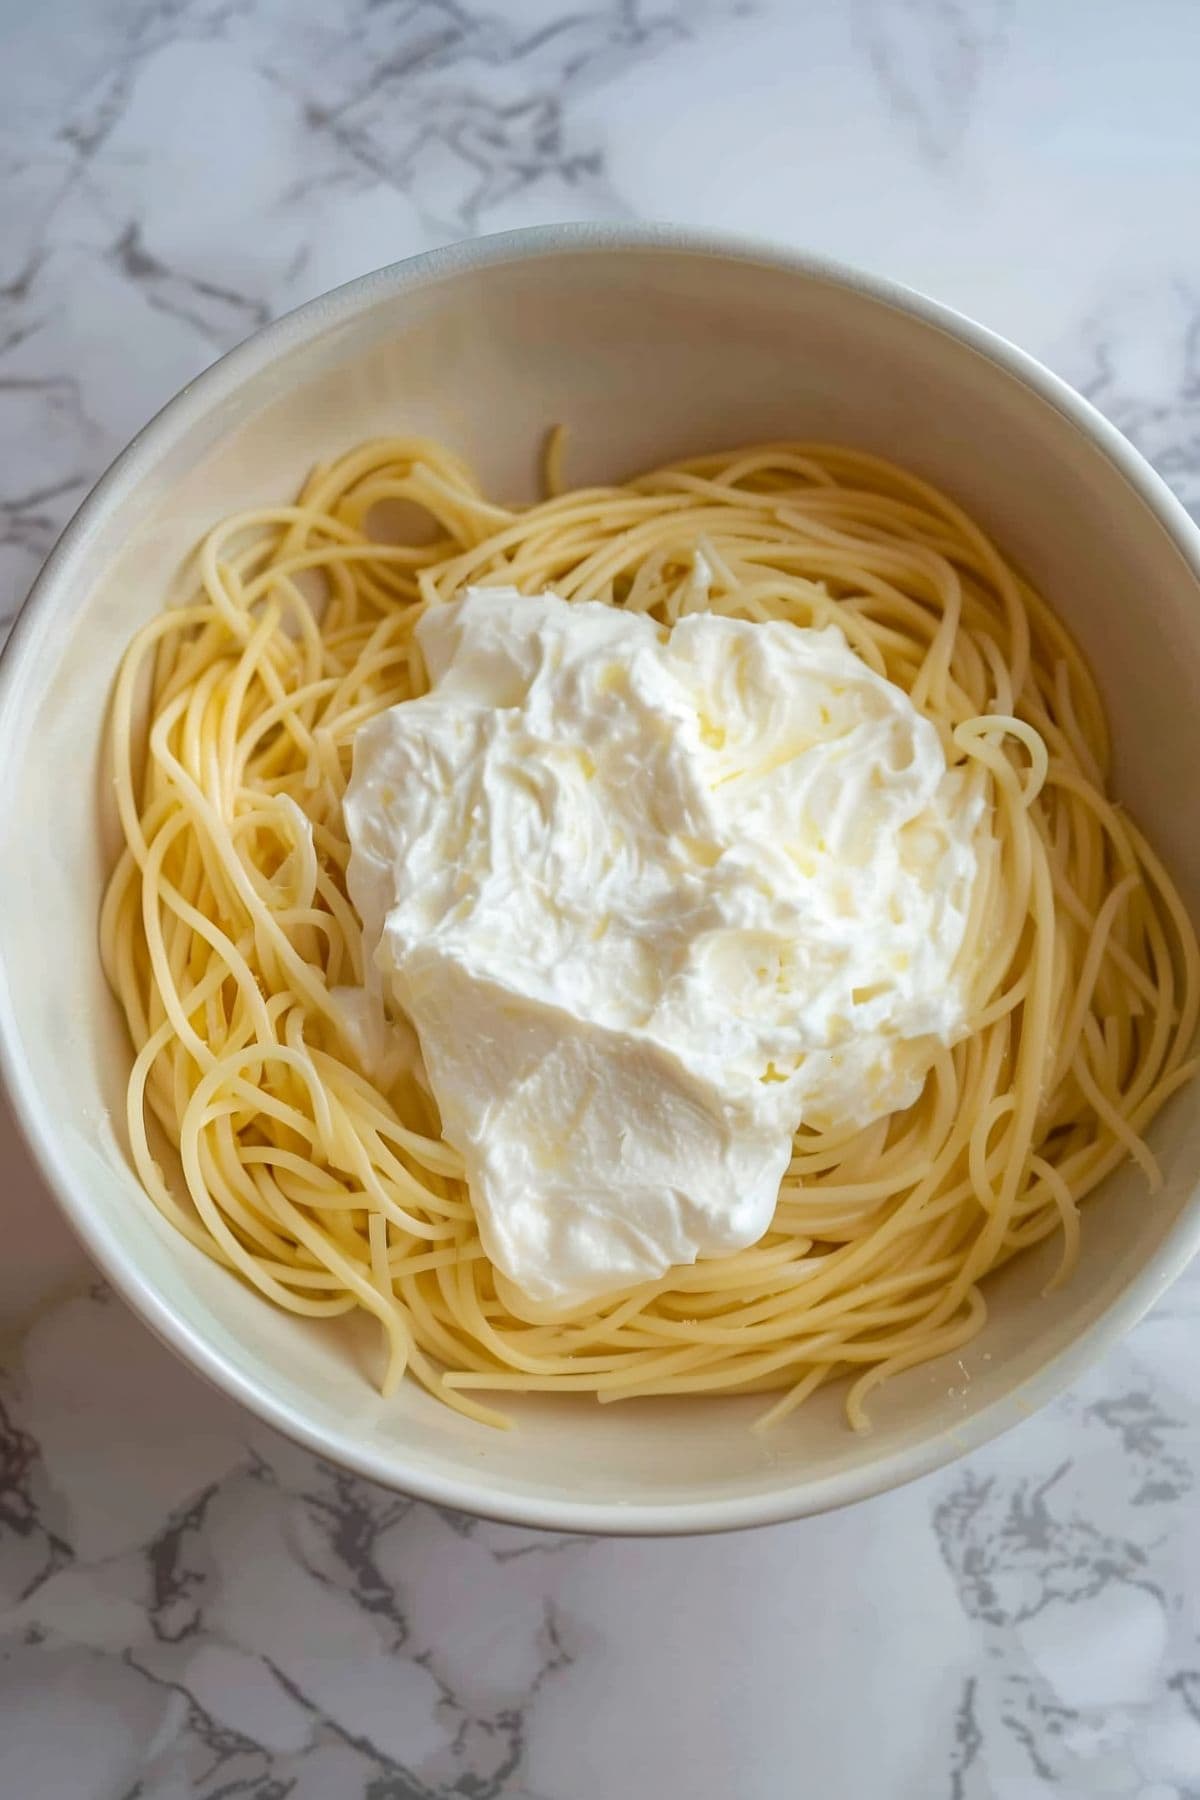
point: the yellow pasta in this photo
(226, 924)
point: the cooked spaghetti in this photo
(226, 925)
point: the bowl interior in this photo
(644, 352)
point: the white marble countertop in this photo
(188, 1605)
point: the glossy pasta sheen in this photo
(226, 924)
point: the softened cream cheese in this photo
(650, 899)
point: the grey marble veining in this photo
(188, 1605)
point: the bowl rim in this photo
(50, 598)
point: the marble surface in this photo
(188, 1605)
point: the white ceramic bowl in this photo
(649, 344)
